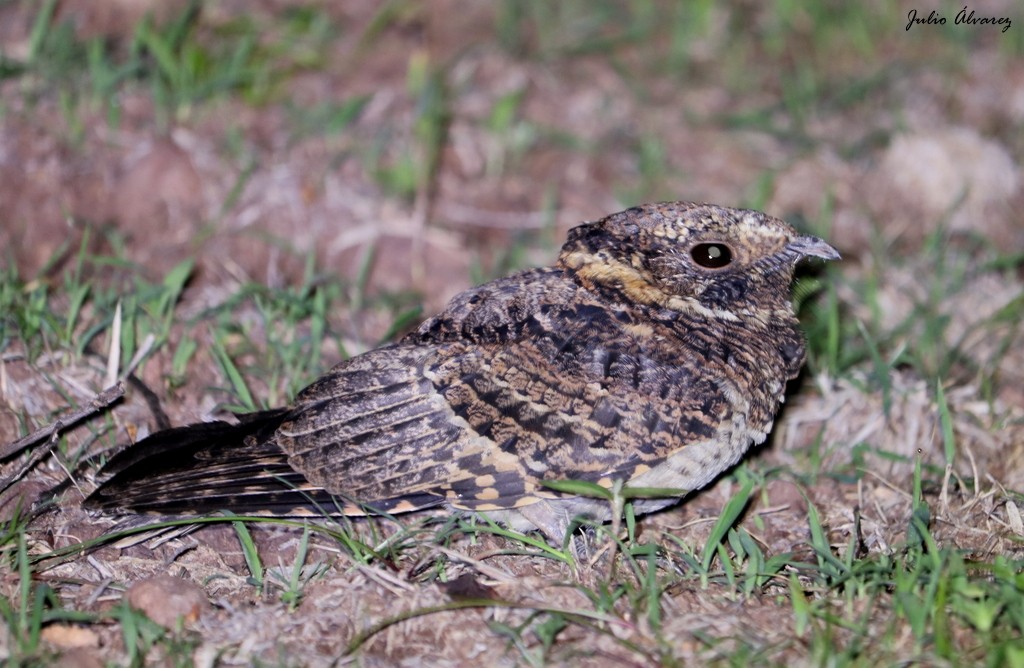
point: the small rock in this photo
(79, 657)
(952, 174)
(165, 599)
(68, 636)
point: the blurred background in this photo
(270, 186)
(218, 200)
(446, 139)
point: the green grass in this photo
(842, 338)
(919, 586)
(832, 599)
(181, 63)
(836, 602)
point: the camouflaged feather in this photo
(627, 360)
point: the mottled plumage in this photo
(655, 351)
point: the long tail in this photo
(207, 467)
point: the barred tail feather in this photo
(206, 467)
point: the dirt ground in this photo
(889, 147)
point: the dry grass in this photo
(265, 188)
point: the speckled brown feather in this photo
(627, 360)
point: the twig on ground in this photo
(53, 431)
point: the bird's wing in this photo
(207, 467)
(505, 389)
(523, 380)
(374, 429)
(388, 428)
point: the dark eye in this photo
(711, 255)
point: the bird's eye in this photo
(711, 255)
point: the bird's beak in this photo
(807, 246)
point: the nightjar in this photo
(655, 352)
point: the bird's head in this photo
(692, 257)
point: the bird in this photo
(652, 354)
